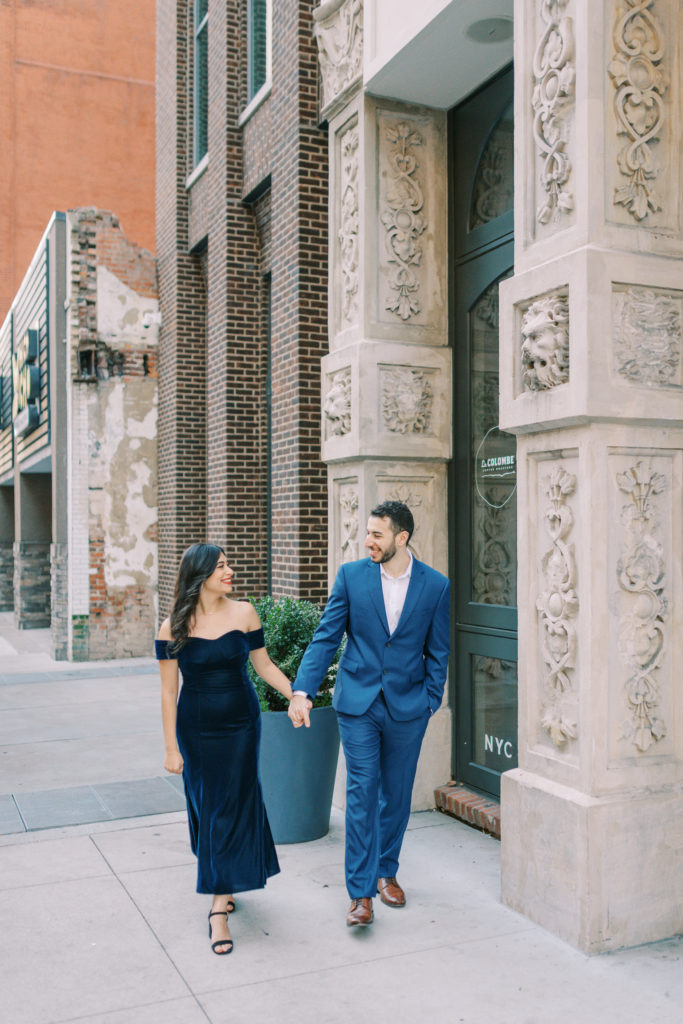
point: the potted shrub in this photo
(297, 766)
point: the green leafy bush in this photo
(288, 626)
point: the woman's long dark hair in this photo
(196, 565)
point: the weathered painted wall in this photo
(113, 468)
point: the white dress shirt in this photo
(394, 590)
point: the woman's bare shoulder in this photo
(246, 615)
(165, 630)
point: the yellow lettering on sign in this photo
(25, 372)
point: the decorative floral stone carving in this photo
(403, 220)
(641, 575)
(348, 502)
(349, 225)
(545, 349)
(407, 398)
(337, 404)
(557, 606)
(339, 34)
(647, 335)
(553, 96)
(640, 83)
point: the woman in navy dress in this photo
(212, 731)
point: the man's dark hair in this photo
(400, 515)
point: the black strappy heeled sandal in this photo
(220, 942)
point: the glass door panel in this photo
(484, 479)
(493, 481)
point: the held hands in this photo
(173, 762)
(298, 712)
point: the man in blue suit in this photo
(391, 677)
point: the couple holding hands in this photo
(395, 613)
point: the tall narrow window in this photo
(259, 45)
(201, 79)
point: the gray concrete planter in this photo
(297, 768)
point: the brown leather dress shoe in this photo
(360, 912)
(390, 892)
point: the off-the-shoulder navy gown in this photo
(219, 731)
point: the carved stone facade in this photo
(337, 403)
(552, 101)
(402, 218)
(644, 606)
(386, 393)
(647, 326)
(545, 348)
(641, 83)
(591, 383)
(349, 226)
(339, 34)
(557, 605)
(407, 398)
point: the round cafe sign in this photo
(495, 462)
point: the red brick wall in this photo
(299, 260)
(236, 464)
(77, 125)
(182, 295)
(264, 196)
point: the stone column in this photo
(592, 383)
(6, 549)
(386, 382)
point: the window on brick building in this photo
(201, 80)
(258, 53)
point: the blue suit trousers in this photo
(381, 759)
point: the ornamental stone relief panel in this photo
(552, 101)
(406, 398)
(348, 548)
(348, 229)
(545, 342)
(338, 28)
(643, 572)
(640, 83)
(337, 403)
(646, 328)
(401, 211)
(557, 605)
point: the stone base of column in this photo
(600, 872)
(59, 606)
(6, 576)
(31, 585)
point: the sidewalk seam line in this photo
(151, 930)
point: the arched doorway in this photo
(483, 484)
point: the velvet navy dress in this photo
(219, 731)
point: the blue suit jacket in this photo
(410, 665)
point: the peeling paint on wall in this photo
(121, 312)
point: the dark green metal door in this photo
(483, 495)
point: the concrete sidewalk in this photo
(100, 921)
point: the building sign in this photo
(495, 467)
(26, 384)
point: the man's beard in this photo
(388, 554)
